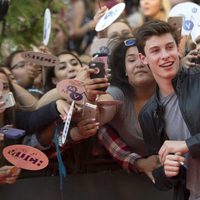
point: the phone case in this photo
(100, 69)
(9, 100)
(12, 133)
(89, 111)
(101, 57)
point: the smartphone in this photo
(89, 111)
(12, 133)
(101, 57)
(8, 99)
(100, 69)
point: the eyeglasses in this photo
(130, 42)
(19, 65)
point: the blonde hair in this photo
(165, 7)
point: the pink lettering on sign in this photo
(39, 58)
(25, 157)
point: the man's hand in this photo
(172, 147)
(172, 164)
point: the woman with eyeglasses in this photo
(25, 73)
(133, 84)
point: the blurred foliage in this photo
(23, 24)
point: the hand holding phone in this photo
(101, 57)
(99, 69)
(8, 99)
(89, 111)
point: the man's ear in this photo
(143, 59)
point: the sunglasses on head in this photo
(130, 42)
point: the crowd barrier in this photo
(115, 185)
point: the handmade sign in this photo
(72, 90)
(25, 157)
(43, 59)
(110, 16)
(46, 27)
(190, 13)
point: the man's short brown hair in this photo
(153, 28)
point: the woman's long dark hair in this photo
(116, 61)
(50, 72)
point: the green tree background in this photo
(24, 24)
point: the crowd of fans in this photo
(113, 139)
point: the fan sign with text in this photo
(190, 13)
(25, 157)
(110, 16)
(43, 59)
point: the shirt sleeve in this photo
(37, 120)
(119, 151)
(116, 93)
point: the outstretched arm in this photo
(122, 154)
